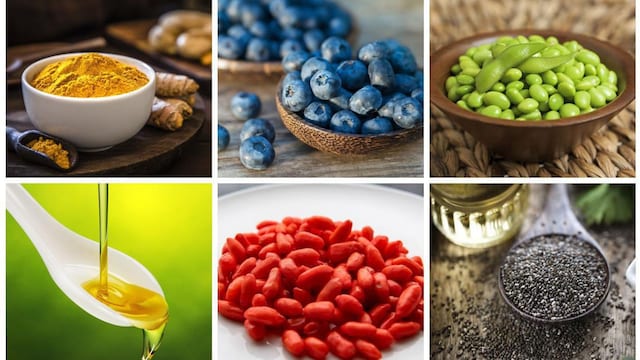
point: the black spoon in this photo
(18, 142)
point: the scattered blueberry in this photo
(353, 74)
(256, 153)
(378, 125)
(223, 137)
(345, 121)
(242, 34)
(366, 100)
(325, 84)
(294, 60)
(245, 105)
(251, 12)
(335, 49)
(258, 127)
(318, 113)
(229, 47)
(296, 95)
(258, 50)
(407, 113)
(381, 75)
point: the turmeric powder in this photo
(89, 75)
(53, 150)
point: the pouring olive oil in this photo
(147, 309)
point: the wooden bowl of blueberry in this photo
(254, 37)
(342, 105)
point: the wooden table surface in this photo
(463, 283)
(377, 19)
(194, 158)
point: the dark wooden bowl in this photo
(532, 141)
(340, 143)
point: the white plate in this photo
(394, 213)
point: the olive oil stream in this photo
(147, 309)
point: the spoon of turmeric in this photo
(44, 149)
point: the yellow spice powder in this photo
(53, 150)
(89, 75)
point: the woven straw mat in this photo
(608, 153)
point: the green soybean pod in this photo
(590, 70)
(463, 79)
(464, 89)
(588, 82)
(475, 99)
(609, 94)
(456, 69)
(588, 57)
(537, 92)
(555, 102)
(507, 114)
(597, 98)
(582, 99)
(510, 75)
(562, 77)
(514, 96)
(463, 105)
(491, 110)
(567, 90)
(549, 77)
(496, 98)
(528, 105)
(550, 52)
(518, 85)
(510, 57)
(497, 49)
(552, 115)
(499, 87)
(549, 89)
(539, 65)
(533, 79)
(568, 110)
(534, 115)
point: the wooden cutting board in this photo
(151, 150)
(134, 35)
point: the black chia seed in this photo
(554, 277)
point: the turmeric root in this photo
(168, 115)
(174, 85)
(180, 105)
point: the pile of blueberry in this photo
(379, 91)
(268, 30)
(257, 134)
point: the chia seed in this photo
(554, 277)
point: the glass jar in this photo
(478, 215)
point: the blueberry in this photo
(310, 19)
(373, 50)
(381, 75)
(276, 7)
(407, 113)
(223, 21)
(389, 103)
(313, 39)
(420, 78)
(353, 74)
(345, 121)
(313, 65)
(406, 83)
(252, 12)
(392, 44)
(325, 84)
(318, 113)
(245, 105)
(339, 26)
(241, 33)
(294, 75)
(366, 100)
(258, 127)
(296, 95)
(418, 94)
(229, 47)
(222, 4)
(378, 125)
(335, 49)
(294, 60)
(223, 137)
(290, 16)
(260, 29)
(341, 102)
(403, 61)
(290, 45)
(234, 9)
(256, 153)
(291, 33)
(258, 50)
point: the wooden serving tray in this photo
(151, 150)
(134, 35)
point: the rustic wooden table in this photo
(377, 19)
(463, 292)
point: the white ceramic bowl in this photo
(92, 124)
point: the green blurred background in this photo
(167, 227)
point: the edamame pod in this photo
(537, 65)
(511, 57)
